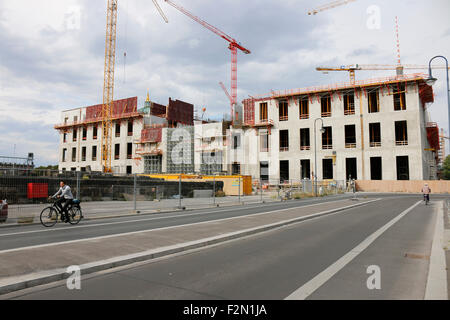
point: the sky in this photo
(52, 55)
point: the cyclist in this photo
(426, 193)
(65, 199)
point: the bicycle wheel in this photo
(75, 215)
(49, 217)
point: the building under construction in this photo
(375, 129)
(136, 135)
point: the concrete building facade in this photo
(376, 129)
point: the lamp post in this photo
(430, 81)
(322, 130)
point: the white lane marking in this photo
(315, 283)
(436, 288)
(157, 218)
(173, 227)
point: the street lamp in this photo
(431, 80)
(322, 130)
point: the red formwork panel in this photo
(249, 111)
(158, 110)
(433, 136)
(37, 190)
(180, 111)
(119, 107)
(151, 135)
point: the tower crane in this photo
(234, 45)
(108, 80)
(226, 91)
(329, 6)
(352, 68)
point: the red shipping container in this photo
(37, 190)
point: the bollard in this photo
(179, 193)
(134, 191)
(78, 186)
(214, 190)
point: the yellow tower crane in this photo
(399, 68)
(108, 80)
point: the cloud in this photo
(54, 60)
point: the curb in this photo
(436, 288)
(45, 277)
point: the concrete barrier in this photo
(407, 186)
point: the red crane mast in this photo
(233, 46)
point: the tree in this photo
(446, 168)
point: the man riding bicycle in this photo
(426, 193)
(65, 199)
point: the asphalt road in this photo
(23, 236)
(276, 264)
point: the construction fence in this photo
(27, 192)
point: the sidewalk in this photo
(447, 242)
(19, 214)
(25, 267)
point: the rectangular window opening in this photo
(350, 136)
(305, 169)
(304, 108)
(399, 97)
(264, 136)
(349, 104)
(327, 140)
(401, 133)
(284, 171)
(117, 129)
(129, 150)
(130, 128)
(94, 153)
(325, 106)
(117, 151)
(304, 139)
(375, 134)
(264, 170)
(373, 101)
(375, 168)
(263, 117)
(351, 168)
(284, 140)
(327, 169)
(83, 154)
(402, 168)
(283, 110)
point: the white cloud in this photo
(47, 65)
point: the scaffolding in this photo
(180, 150)
(419, 78)
(122, 109)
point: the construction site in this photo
(373, 129)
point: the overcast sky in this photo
(52, 54)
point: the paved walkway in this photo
(50, 257)
(30, 213)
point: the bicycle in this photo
(426, 198)
(49, 215)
